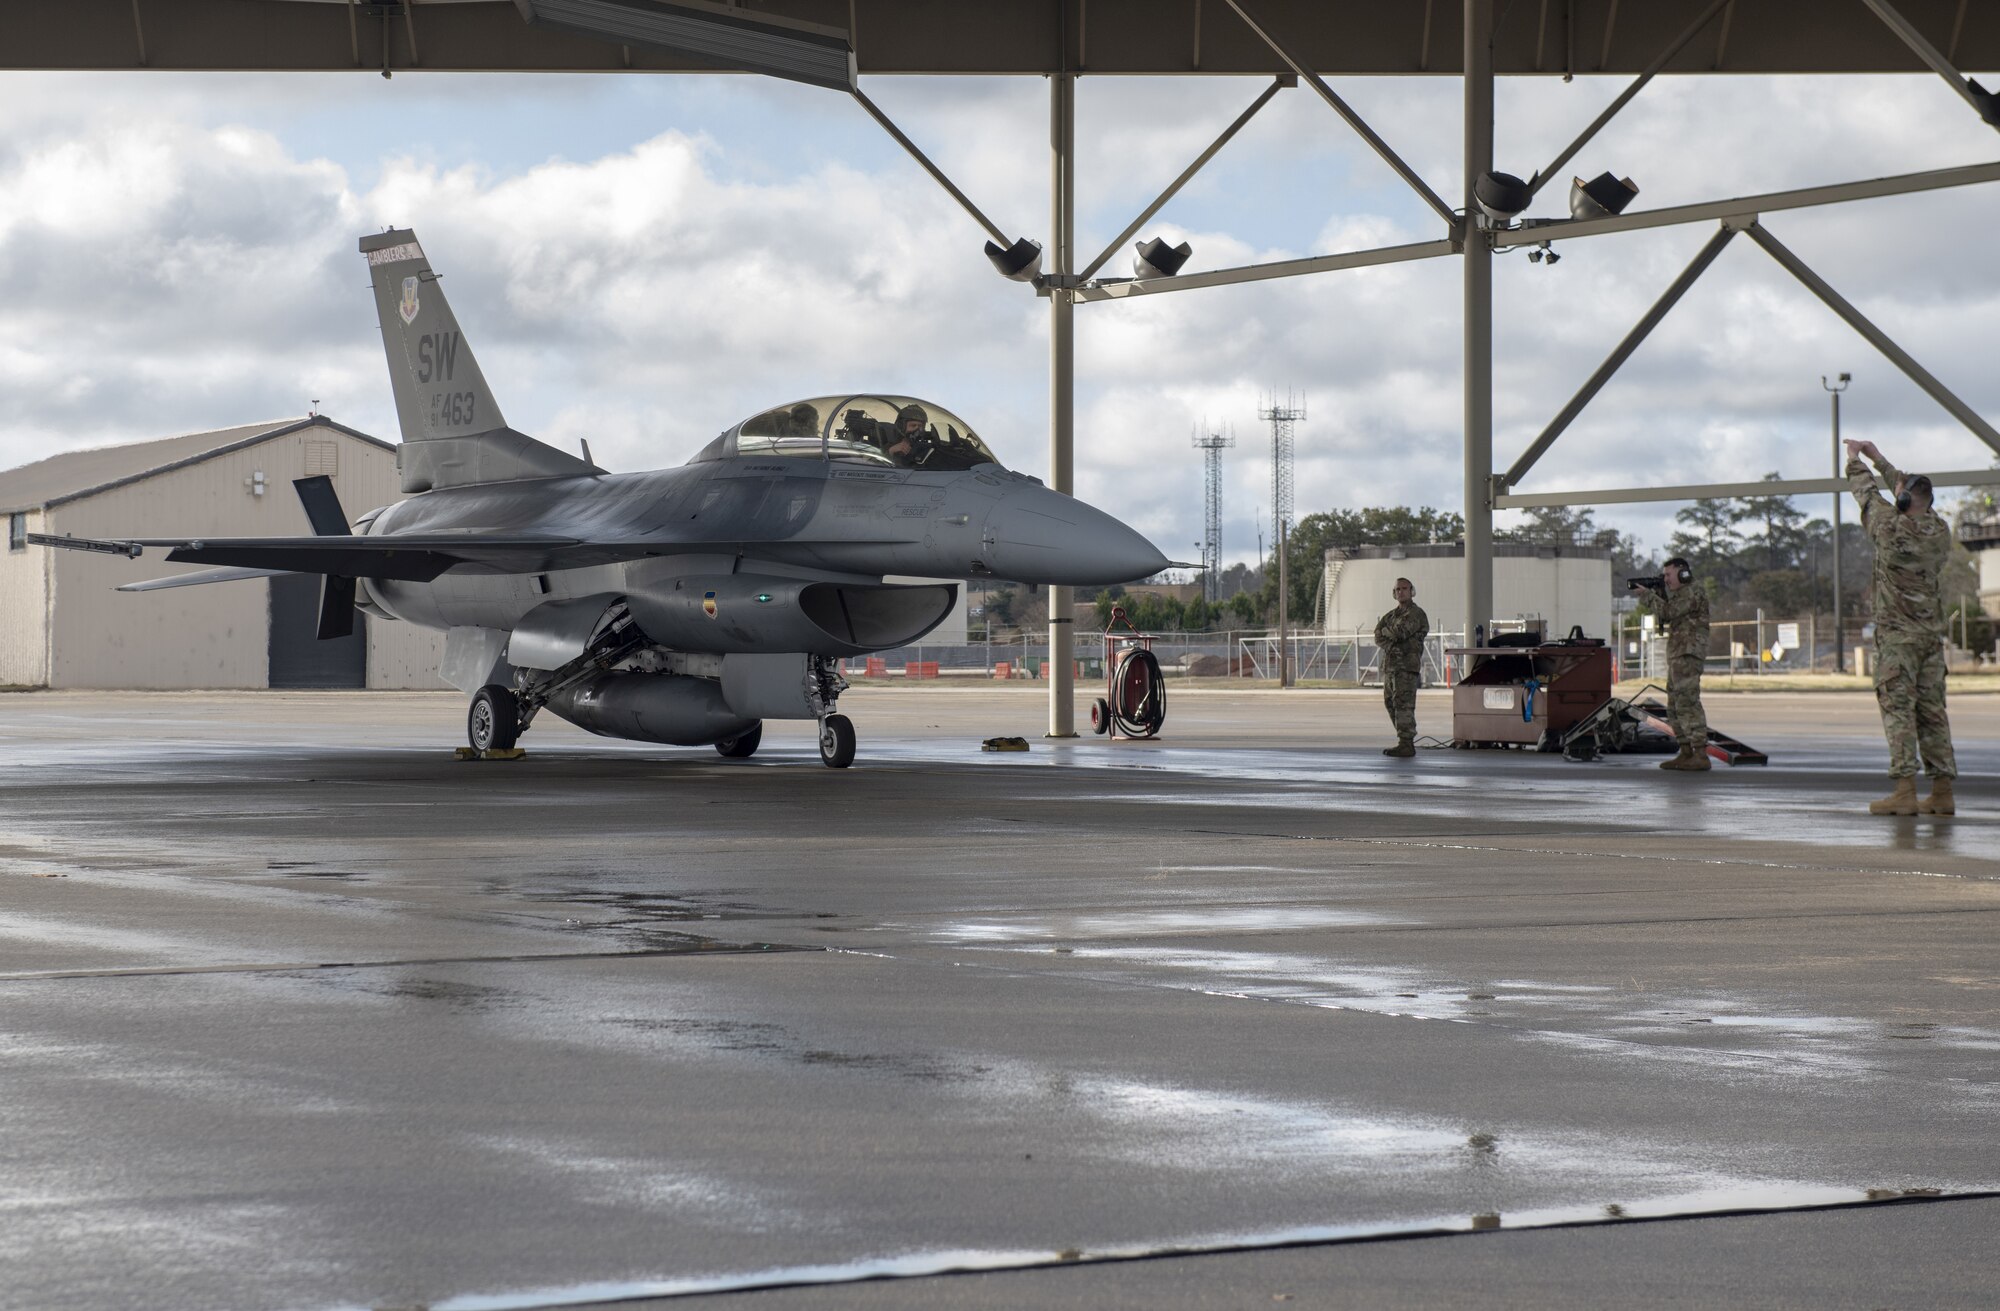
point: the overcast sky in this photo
(641, 261)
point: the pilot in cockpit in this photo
(908, 445)
(803, 421)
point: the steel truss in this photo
(1473, 238)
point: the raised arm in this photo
(1862, 482)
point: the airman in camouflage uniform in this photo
(1399, 640)
(1912, 543)
(1684, 612)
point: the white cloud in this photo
(167, 265)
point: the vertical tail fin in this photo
(453, 432)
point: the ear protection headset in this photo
(1904, 498)
(1687, 575)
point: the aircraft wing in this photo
(414, 557)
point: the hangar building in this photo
(1565, 585)
(65, 626)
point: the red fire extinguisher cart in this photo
(1134, 704)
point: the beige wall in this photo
(214, 636)
(1566, 591)
(24, 630)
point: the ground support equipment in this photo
(1134, 704)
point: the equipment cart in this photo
(1528, 696)
(1134, 704)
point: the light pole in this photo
(1839, 640)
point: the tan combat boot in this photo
(1403, 749)
(1939, 802)
(1903, 801)
(1691, 758)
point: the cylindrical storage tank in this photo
(669, 708)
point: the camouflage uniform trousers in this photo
(1684, 701)
(1399, 694)
(1909, 686)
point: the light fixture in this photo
(1501, 196)
(712, 35)
(1601, 197)
(1543, 252)
(1021, 261)
(1156, 259)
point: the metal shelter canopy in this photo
(985, 37)
(1291, 41)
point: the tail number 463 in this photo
(452, 409)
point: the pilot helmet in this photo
(909, 412)
(805, 419)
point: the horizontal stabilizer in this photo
(202, 576)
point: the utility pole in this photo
(1839, 641)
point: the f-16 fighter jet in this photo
(683, 606)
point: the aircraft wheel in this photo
(744, 744)
(836, 741)
(1100, 716)
(494, 721)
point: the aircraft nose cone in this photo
(1039, 536)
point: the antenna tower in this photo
(1281, 417)
(1211, 446)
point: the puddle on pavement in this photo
(1774, 1197)
(1608, 1013)
(1133, 924)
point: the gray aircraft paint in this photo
(724, 588)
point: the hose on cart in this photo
(1140, 706)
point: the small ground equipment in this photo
(1134, 704)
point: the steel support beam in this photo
(1346, 111)
(1478, 321)
(1877, 338)
(1187, 175)
(1062, 384)
(1535, 233)
(938, 174)
(1723, 491)
(1616, 360)
(1983, 102)
(1541, 179)
(1122, 288)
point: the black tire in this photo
(836, 742)
(744, 744)
(1100, 716)
(493, 723)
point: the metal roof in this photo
(74, 475)
(1155, 37)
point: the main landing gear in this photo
(836, 741)
(494, 721)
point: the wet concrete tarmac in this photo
(295, 1010)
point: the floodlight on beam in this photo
(1156, 259)
(1501, 196)
(716, 36)
(1020, 262)
(1602, 197)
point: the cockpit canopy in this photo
(899, 432)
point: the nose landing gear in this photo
(836, 741)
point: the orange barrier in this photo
(919, 669)
(1003, 669)
(875, 668)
